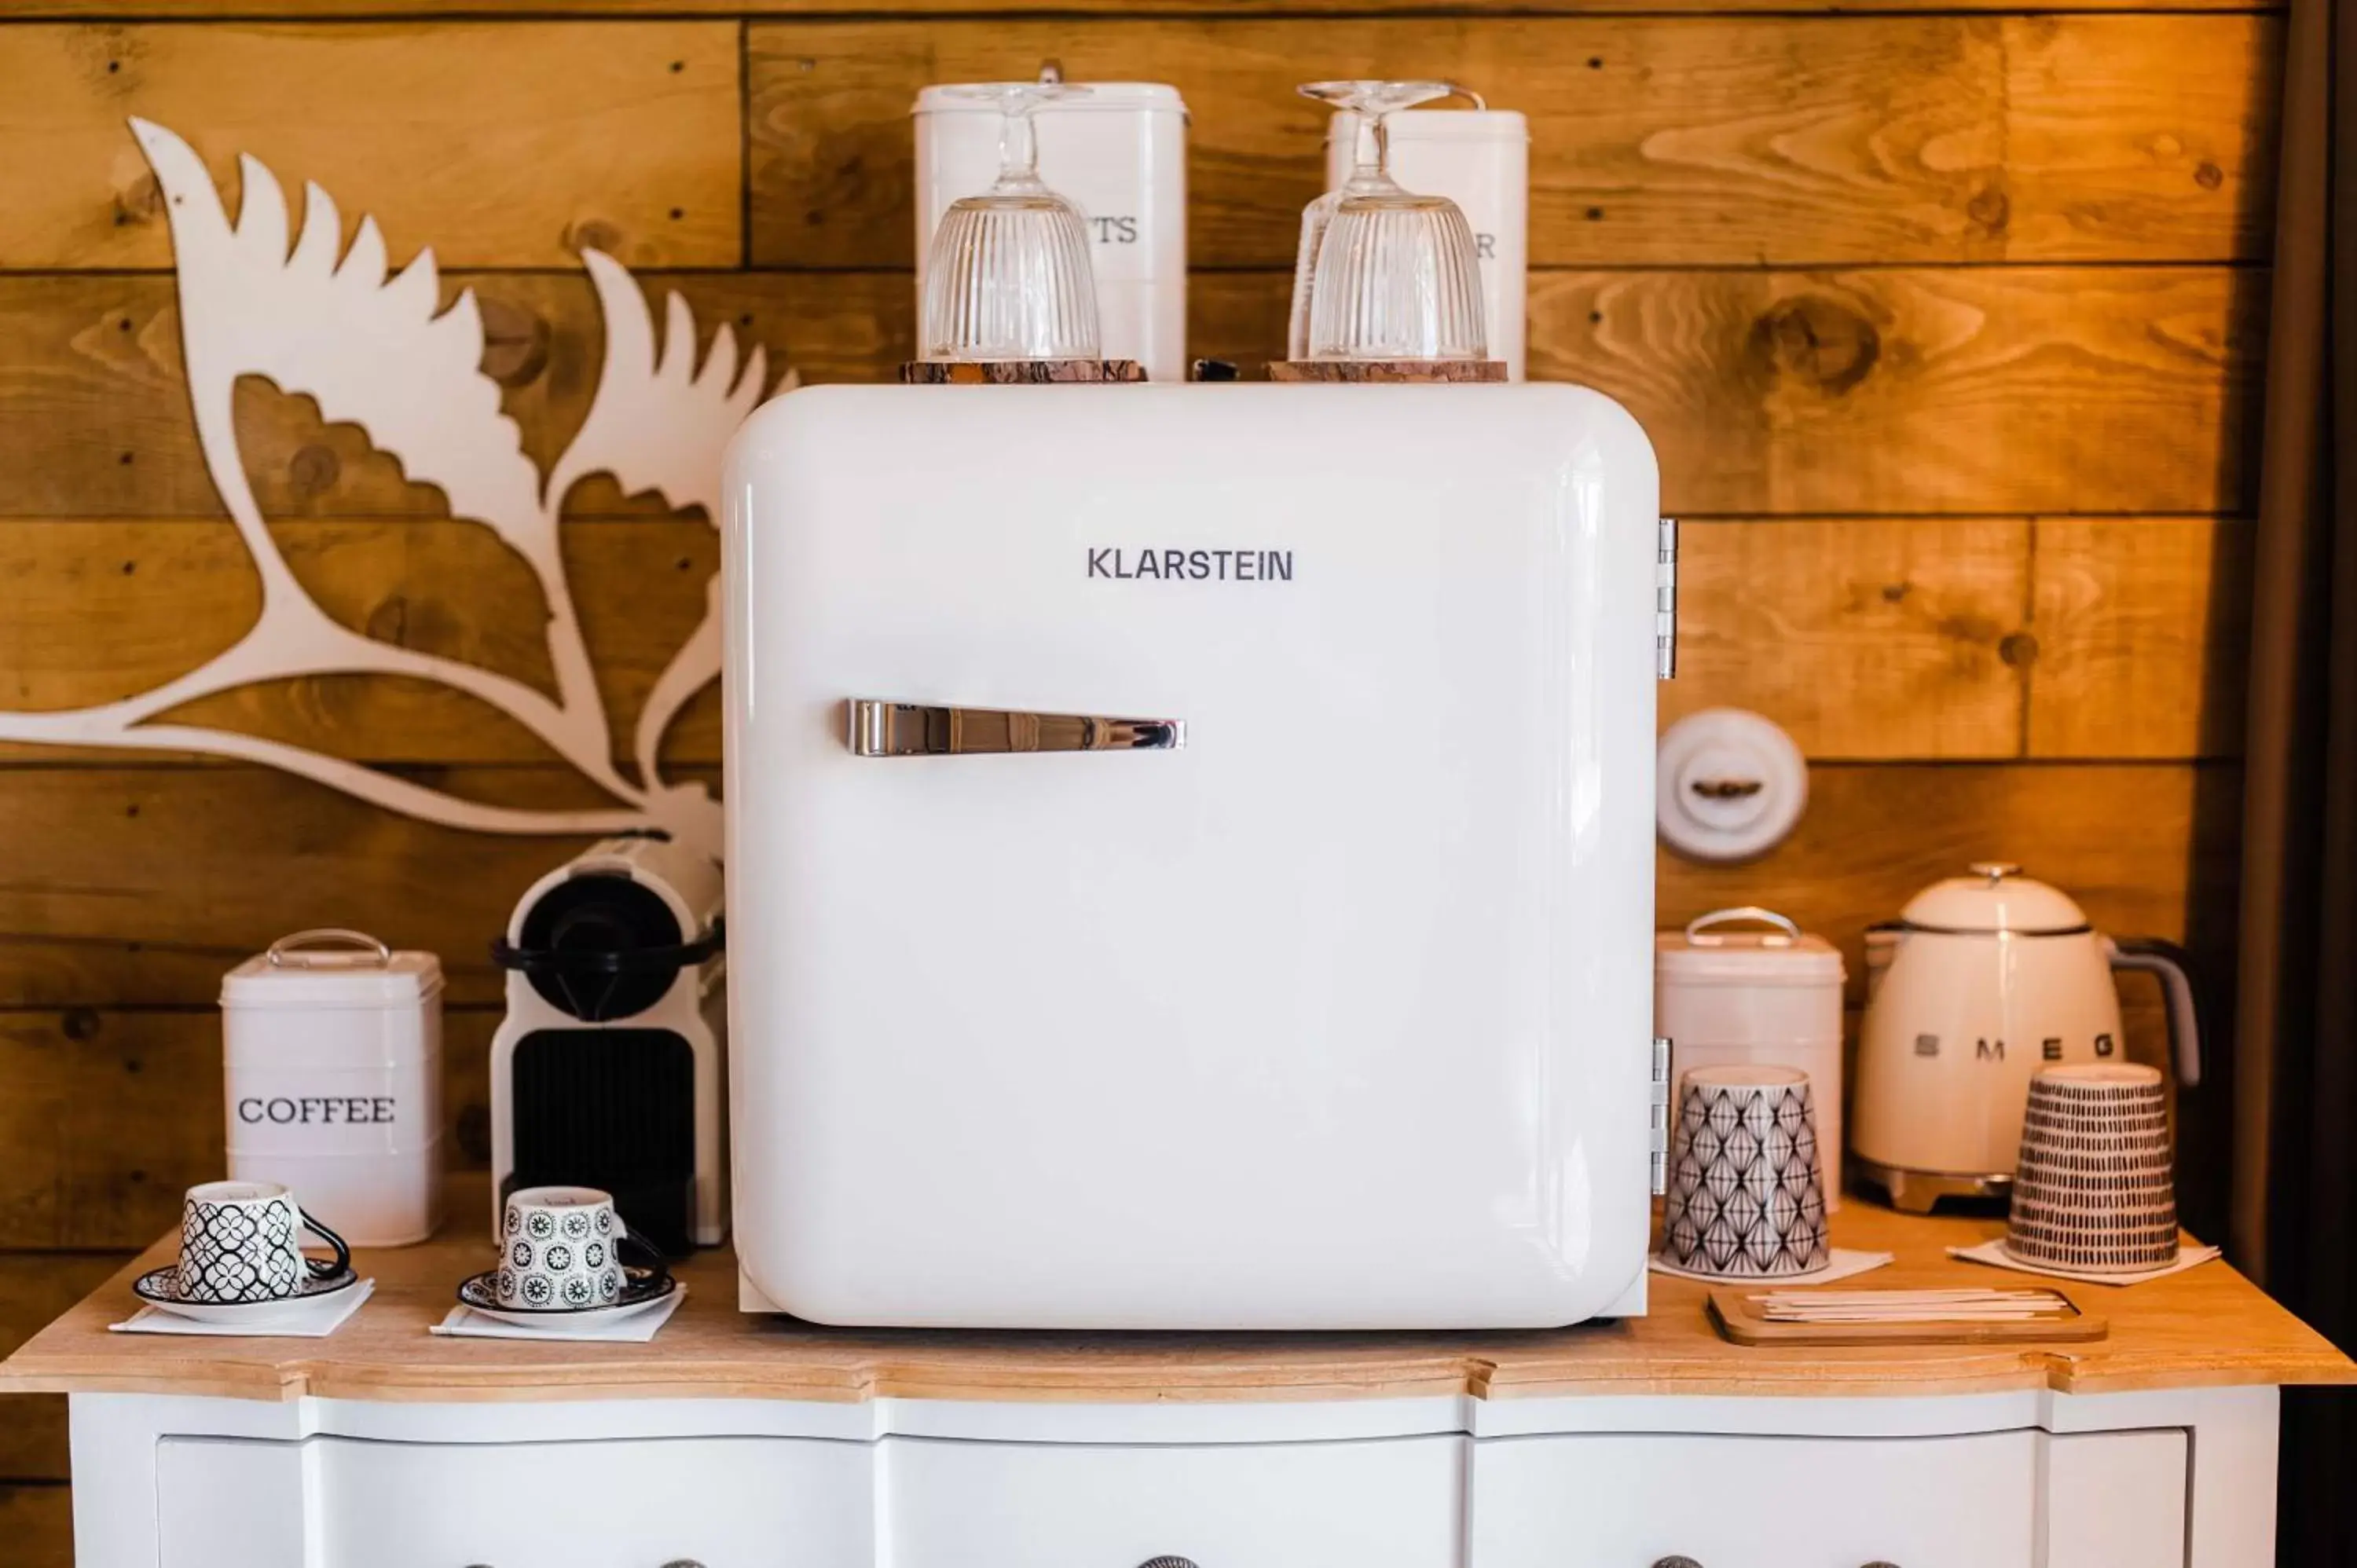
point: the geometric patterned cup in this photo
(243, 1241)
(2094, 1189)
(1747, 1197)
(559, 1251)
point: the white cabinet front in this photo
(1388, 1503)
(2006, 1500)
(1638, 1501)
(723, 1502)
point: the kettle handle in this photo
(2169, 961)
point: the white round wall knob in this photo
(1729, 785)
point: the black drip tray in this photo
(612, 1109)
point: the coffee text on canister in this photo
(325, 1110)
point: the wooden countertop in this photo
(2208, 1326)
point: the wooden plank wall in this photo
(1946, 319)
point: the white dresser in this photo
(732, 1443)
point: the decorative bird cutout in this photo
(326, 321)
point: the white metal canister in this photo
(332, 1063)
(1480, 159)
(1753, 996)
(1119, 152)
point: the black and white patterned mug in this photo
(560, 1251)
(2095, 1189)
(1747, 1197)
(243, 1241)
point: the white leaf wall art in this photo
(258, 298)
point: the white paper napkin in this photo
(1842, 1264)
(2189, 1256)
(313, 1319)
(464, 1323)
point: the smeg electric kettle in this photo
(1989, 978)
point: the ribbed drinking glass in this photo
(1384, 273)
(1008, 276)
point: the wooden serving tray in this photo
(1734, 1311)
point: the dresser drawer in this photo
(793, 1503)
(2004, 1499)
(725, 1502)
(2009, 1499)
(1390, 1503)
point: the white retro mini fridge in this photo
(1190, 855)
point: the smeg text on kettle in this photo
(1192, 566)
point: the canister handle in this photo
(289, 952)
(1750, 912)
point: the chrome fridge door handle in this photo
(879, 728)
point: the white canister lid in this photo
(951, 98)
(332, 968)
(1707, 953)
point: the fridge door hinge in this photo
(1658, 1136)
(1666, 603)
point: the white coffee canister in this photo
(1480, 159)
(332, 1065)
(1120, 154)
(1724, 996)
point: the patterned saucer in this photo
(643, 1288)
(161, 1288)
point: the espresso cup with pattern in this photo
(242, 1241)
(560, 1251)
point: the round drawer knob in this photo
(1167, 1562)
(1676, 1562)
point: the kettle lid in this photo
(1995, 897)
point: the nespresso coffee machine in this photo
(606, 1071)
(1191, 855)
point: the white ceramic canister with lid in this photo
(1480, 159)
(1119, 152)
(1771, 996)
(331, 1061)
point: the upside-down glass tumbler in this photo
(1008, 276)
(1384, 273)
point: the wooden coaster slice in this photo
(1357, 371)
(1017, 372)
